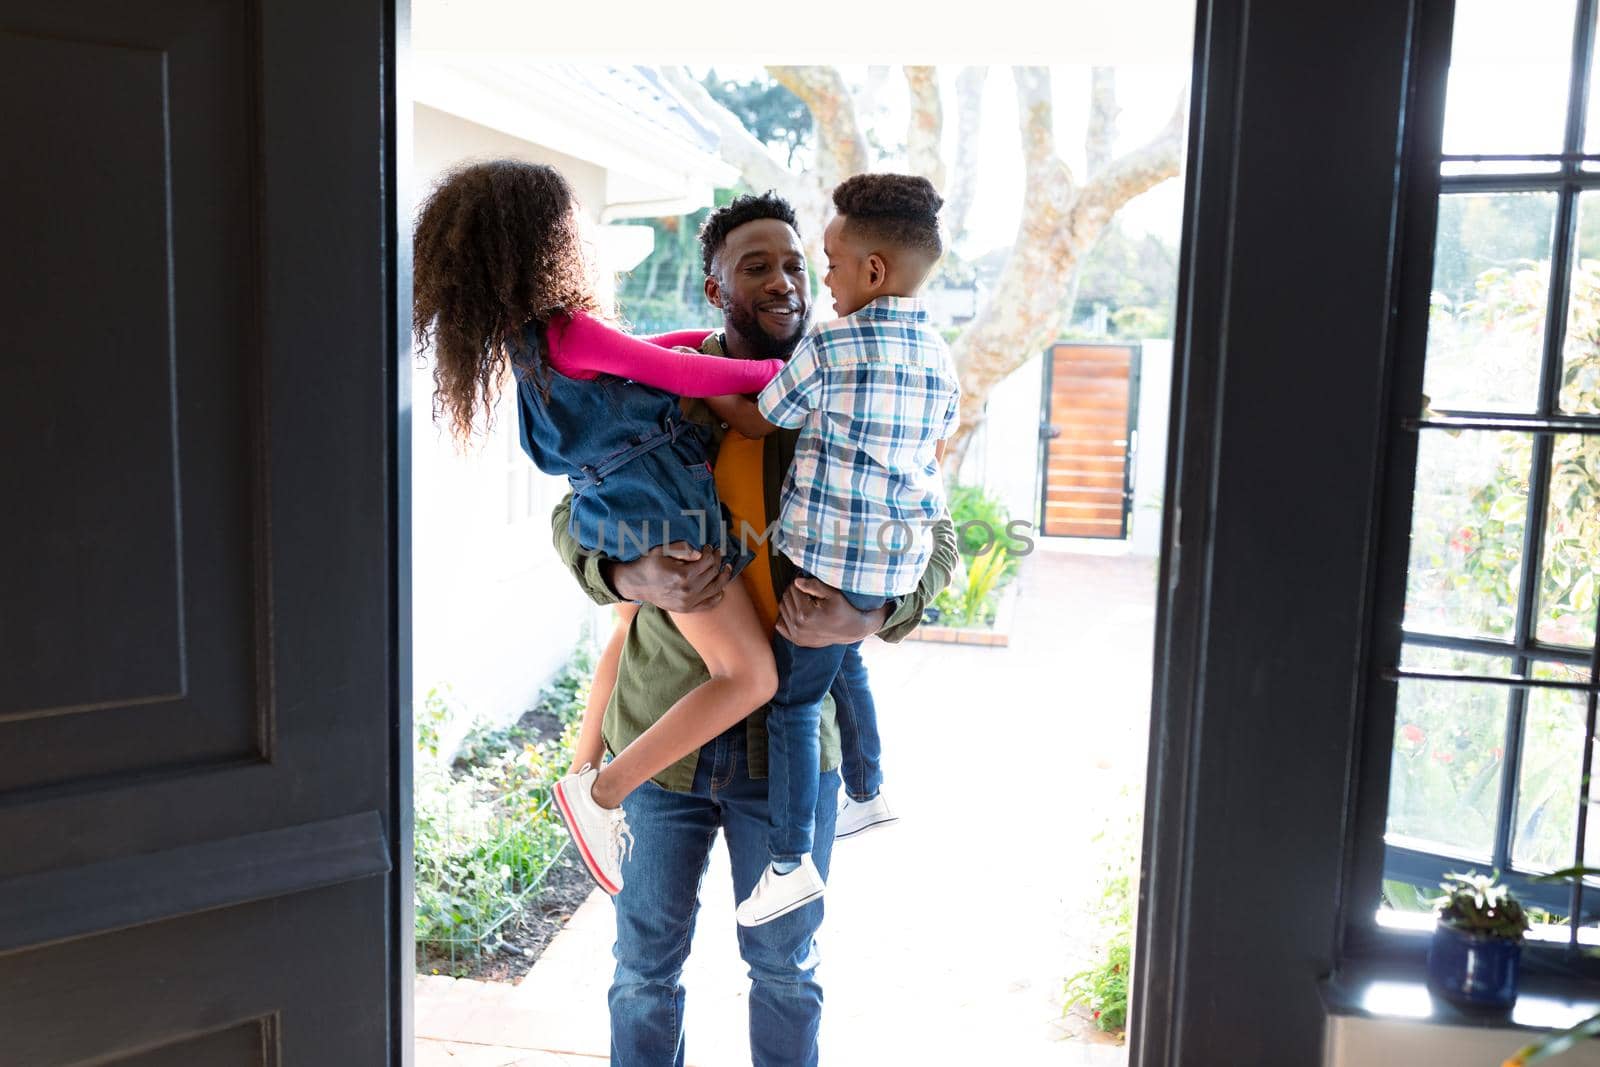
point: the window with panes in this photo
(1495, 683)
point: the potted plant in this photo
(1477, 942)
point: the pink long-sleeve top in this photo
(584, 347)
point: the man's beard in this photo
(743, 318)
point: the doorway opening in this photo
(1029, 676)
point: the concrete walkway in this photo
(1056, 725)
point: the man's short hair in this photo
(902, 209)
(743, 209)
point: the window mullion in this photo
(1488, 647)
(1582, 70)
(1510, 770)
(1580, 847)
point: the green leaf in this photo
(1582, 595)
(1507, 507)
(1567, 874)
(1555, 1044)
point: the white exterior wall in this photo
(441, 141)
(494, 612)
(1150, 464)
(1005, 456)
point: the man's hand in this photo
(814, 614)
(676, 577)
(742, 414)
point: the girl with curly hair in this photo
(504, 288)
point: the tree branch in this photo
(1128, 176)
(740, 148)
(1036, 116)
(964, 179)
(1103, 112)
(841, 147)
(1059, 226)
(925, 129)
(737, 145)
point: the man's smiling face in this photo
(759, 281)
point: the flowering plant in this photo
(1476, 904)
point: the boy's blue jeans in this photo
(862, 763)
(804, 677)
(656, 911)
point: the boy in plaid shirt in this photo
(876, 396)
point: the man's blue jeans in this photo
(673, 833)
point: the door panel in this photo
(297, 969)
(1090, 397)
(134, 411)
(201, 701)
(248, 1043)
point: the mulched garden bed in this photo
(529, 932)
(507, 952)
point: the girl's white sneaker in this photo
(600, 834)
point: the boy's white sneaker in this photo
(776, 895)
(600, 834)
(859, 816)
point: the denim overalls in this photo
(638, 469)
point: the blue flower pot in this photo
(1478, 972)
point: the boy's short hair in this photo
(742, 209)
(902, 209)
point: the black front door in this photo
(202, 604)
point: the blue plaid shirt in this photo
(872, 394)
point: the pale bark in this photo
(870, 107)
(925, 129)
(841, 146)
(1061, 217)
(1103, 112)
(1060, 223)
(964, 178)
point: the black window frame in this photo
(1424, 186)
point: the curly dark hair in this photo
(497, 246)
(899, 208)
(748, 208)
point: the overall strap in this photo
(589, 477)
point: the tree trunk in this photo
(1060, 222)
(1103, 112)
(683, 281)
(1061, 219)
(925, 129)
(841, 146)
(964, 181)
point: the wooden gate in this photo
(1087, 439)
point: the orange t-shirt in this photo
(739, 484)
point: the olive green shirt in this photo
(658, 664)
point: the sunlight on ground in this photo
(1056, 726)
